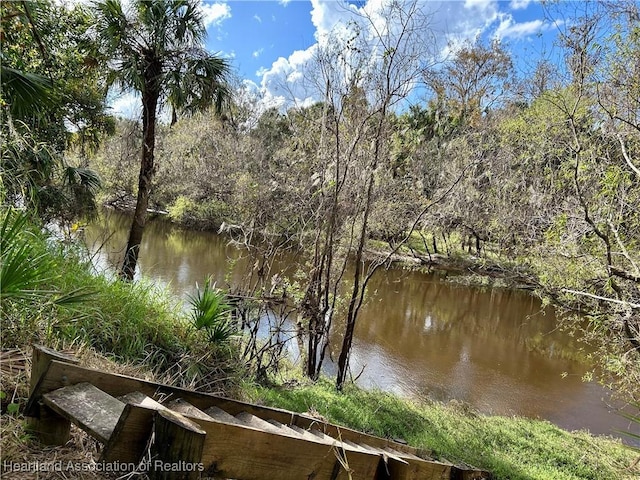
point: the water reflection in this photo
(417, 335)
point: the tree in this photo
(156, 48)
(49, 82)
(473, 81)
(361, 79)
(603, 47)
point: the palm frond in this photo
(23, 268)
(77, 296)
(84, 178)
(198, 83)
(169, 33)
(26, 93)
(210, 312)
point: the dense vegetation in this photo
(534, 177)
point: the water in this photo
(417, 335)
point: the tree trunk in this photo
(147, 169)
(359, 286)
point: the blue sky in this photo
(270, 43)
(254, 34)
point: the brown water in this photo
(418, 335)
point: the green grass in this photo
(510, 448)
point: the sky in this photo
(270, 43)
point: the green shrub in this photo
(210, 312)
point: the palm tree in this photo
(155, 47)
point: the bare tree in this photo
(361, 80)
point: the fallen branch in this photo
(606, 299)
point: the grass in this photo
(511, 448)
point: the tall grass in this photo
(51, 295)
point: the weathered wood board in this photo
(177, 441)
(90, 408)
(278, 457)
(48, 426)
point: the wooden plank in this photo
(233, 451)
(299, 433)
(42, 357)
(402, 465)
(382, 453)
(322, 436)
(141, 400)
(61, 374)
(405, 455)
(177, 447)
(185, 408)
(312, 434)
(255, 422)
(130, 438)
(49, 427)
(93, 410)
(220, 415)
(359, 447)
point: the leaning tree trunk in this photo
(147, 169)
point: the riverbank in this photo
(510, 448)
(133, 328)
(457, 265)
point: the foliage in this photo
(48, 46)
(210, 312)
(23, 268)
(476, 78)
(36, 166)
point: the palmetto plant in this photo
(29, 279)
(24, 268)
(210, 312)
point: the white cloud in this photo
(508, 28)
(284, 82)
(215, 13)
(257, 18)
(449, 23)
(519, 4)
(258, 52)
